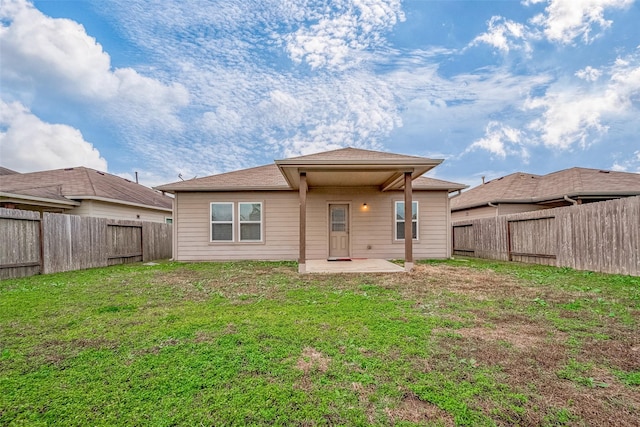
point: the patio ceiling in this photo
(386, 174)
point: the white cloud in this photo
(505, 35)
(437, 110)
(501, 140)
(249, 104)
(570, 117)
(337, 35)
(589, 74)
(566, 20)
(28, 144)
(57, 55)
(576, 115)
(562, 22)
(338, 113)
(631, 164)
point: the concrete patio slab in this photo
(354, 266)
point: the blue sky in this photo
(201, 87)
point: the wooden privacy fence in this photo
(602, 237)
(31, 244)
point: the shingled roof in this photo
(271, 177)
(355, 154)
(7, 171)
(576, 182)
(79, 183)
(266, 177)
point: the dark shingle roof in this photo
(83, 183)
(529, 188)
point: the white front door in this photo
(338, 231)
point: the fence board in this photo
(463, 240)
(124, 239)
(20, 246)
(526, 246)
(70, 242)
(154, 238)
(73, 243)
(602, 237)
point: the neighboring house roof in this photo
(73, 184)
(362, 166)
(7, 171)
(540, 189)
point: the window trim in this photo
(211, 222)
(240, 222)
(396, 220)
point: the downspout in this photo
(572, 201)
(493, 206)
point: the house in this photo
(523, 192)
(341, 204)
(85, 192)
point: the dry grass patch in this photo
(522, 337)
(312, 360)
(415, 410)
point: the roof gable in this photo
(353, 154)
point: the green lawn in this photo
(460, 342)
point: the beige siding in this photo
(490, 212)
(100, 209)
(511, 208)
(474, 213)
(280, 222)
(371, 231)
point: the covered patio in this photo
(388, 172)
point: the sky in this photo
(190, 88)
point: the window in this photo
(168, 220)
(222, 222)
(250, 221)
(399, 220)
(225, 227)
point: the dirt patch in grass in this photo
(239, 285)
(415, 410)
(520, 336)
(312, 360)
(608, 404)
(477, 284)
(409, 409)
(621, 351)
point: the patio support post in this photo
(408, 222)
(302, 267)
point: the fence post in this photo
(509, 257)
(41, 243)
